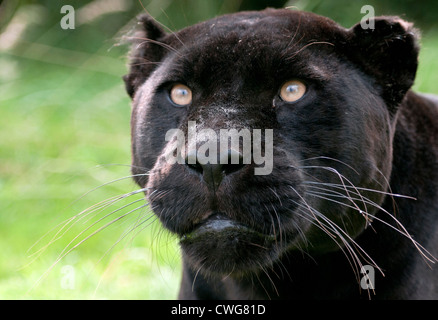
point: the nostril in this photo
(230, 168)
(228, 163)
(213, 174)
(196, 167)
(233, 163)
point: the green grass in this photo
(65, 131)
(64, 119)
(427, 74)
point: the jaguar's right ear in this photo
(146, 52)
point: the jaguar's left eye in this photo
(181, 95)
(292, 91)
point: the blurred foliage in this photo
(64, 119)
(347, 12)
(99, 20)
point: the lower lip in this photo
(219, 224)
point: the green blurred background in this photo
(65, 144)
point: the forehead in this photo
(253, 40)
(269, 27)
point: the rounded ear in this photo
(388, 51)
(146, 51)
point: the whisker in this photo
(66, 252)
(159, 43)
(70, 222)
(338, 186)
(308, 45)
(277, 216)
(126, 233)
(349, 252)
(270, 279)
(346, 244)
(331, 159)
(311, 211)
(260, 281)
(99, 220)
(196, 276)
(163, 25)
(110, 182)
(341, 178)
(400, 228)
(340, 233)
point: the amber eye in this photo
(292, 91)
(181, 95)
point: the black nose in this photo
(212, 174)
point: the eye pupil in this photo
(292, 88)
(181, 92)
(292, 91)
(181, 95)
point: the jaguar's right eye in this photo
(181, 95)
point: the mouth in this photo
(220, 245)
(220, 224)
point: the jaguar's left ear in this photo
(388, 53)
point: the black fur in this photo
(343, 155)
